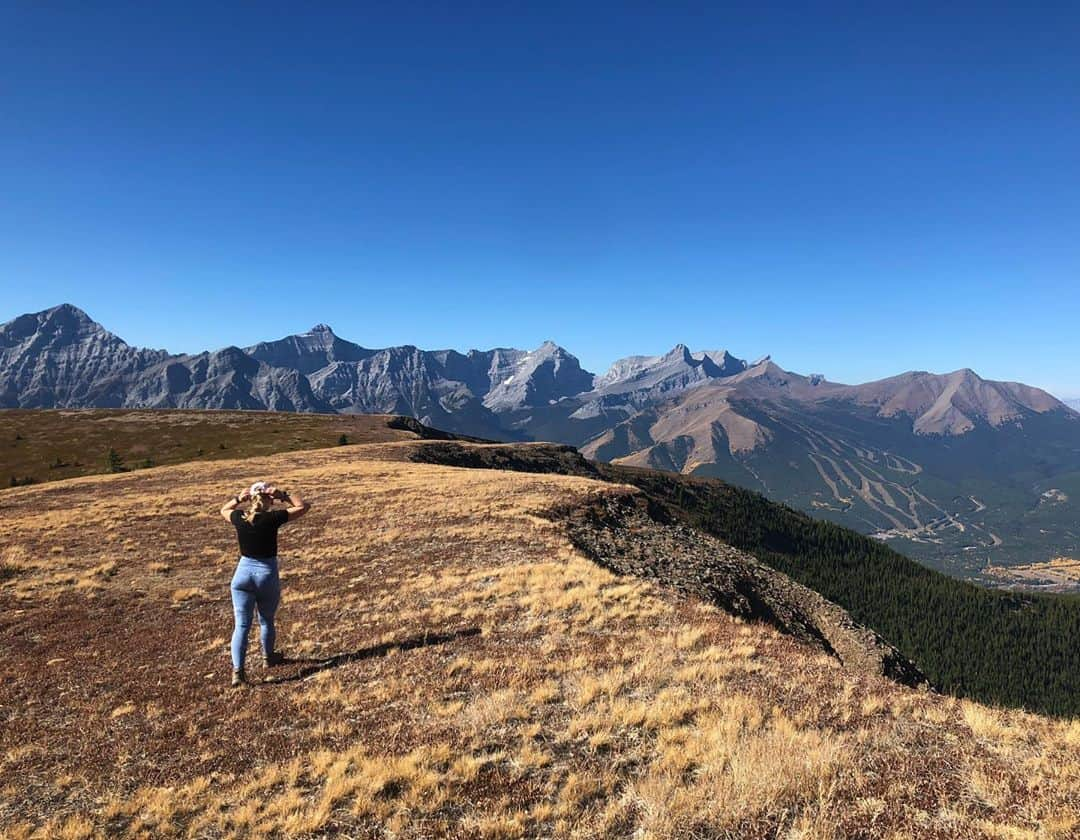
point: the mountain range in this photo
(957, 470)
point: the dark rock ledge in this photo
(625, 533)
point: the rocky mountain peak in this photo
(723, 363)
(63, 324)
(540, 377)
(676, 370)
(308, 352)
(68, 313)
(953, 403)
(62, 357)
(679, 352)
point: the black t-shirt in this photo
(258, 539)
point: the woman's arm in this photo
(297, 506)
(233, 504)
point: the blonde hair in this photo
(260, 503)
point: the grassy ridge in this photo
(47, 445)
(997, 647)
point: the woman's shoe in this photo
(273, 658)
(238, 678)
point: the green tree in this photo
(114, 461)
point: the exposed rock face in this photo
(620, 533)
(227, 378)
(540, 377)
(442, 387)
(676, 370)
(60, 357)
(310, 351)
(639, 382)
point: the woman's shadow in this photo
(313, 666)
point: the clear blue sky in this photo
(855, 192)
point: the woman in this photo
(256, 580)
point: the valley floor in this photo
(456, 669)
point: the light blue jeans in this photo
(255, 584)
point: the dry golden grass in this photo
(587, 705)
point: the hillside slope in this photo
(457, 667)
(39, 445)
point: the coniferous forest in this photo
(997, 647)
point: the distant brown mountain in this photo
(954, 469)
(685, 432)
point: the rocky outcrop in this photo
(520, 457)
(632, 533)
(630, 536)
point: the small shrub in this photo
(343, 440)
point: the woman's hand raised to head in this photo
(233, 504)
(297, 506)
